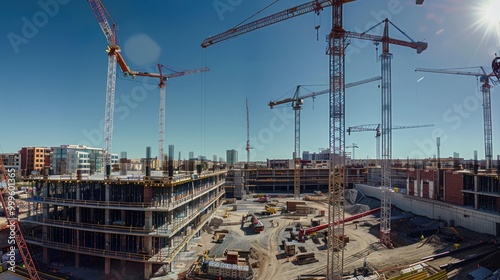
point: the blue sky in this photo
(53, 78)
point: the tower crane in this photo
(336, 52)
(376, 128)
(353, 146)
(248, 147)
(485, 78)
(161, 122)
(113, 55)
(386, 123)
(297, 102)
(9, 209)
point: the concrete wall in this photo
(459, 215)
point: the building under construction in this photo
(123, 221)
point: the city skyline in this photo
(56, 80)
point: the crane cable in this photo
(258, 12)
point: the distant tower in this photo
(170, 160)
(191, 155)
(231, 157)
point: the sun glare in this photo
(488, 20)
(491, 13)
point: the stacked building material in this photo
(305, 258)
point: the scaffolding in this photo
(146, 219)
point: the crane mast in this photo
(386, 147)
(386, 118)
(161, 120)
(247, 148)
(14, 225)
(161, 116)
(485, 91)
(297, 106)
(113, 51)
(336, 183)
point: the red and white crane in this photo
(297, 101)
(9, 209)
(114, 58)
(485, 79)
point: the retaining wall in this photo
(455, 215)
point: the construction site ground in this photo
(269, 261)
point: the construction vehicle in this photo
(451, 234)
(218, 237)
(9, 209)
(229, 201)
(271, 209)
(263, 199)
(255, 224)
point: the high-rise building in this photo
(231, 156)
(74, 159)
(34, 159)
(191, 155)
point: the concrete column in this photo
(148, 244)
(45, 255)
(107, 241)
(77, 260)
(45, 207)
(148, 220)
(107, 265)
(106, 216)
(65, 212)
(106, 192)
(122, 215)
(123, 245)
(78, 214)
(476, 186)
(148, 270)
(78, 192)
(45, 252)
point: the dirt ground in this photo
(270, 263)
